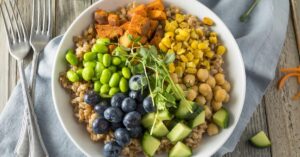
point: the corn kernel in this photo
(177, 46)
(162, 47)
(171, 26)
(194, 35)
(179, 17)
(179, 71)
(181, 51)
(191, 70)
(206, 64)
(198, 54)
(202, 45)
(194, 44)
(180, 38)
(191, 65)
(184, 58)
(213, 34)
(199, 31)
(221, 50)
(209, 54)
(196, 61)
(190, 56)
(182, 64)
(213, 40)
(184, 25)
(166, 42)
(169, 35)
(171, 68)
(208, 21)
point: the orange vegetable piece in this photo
(156, 5)
(159, 33)
(139, 10)
(153, 26)
(108, 31)
(113, 19)
(139, 24)
(100, 17)
(125, 26)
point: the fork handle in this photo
(33, 74)
(37, 146)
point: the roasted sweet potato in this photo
(153, 26)
(108, 31)
(125, 26)
(139, 24)
(157, 15)
(159, 33)
(100, 17)
(113, 19)
(156, 5)
(126, 42)
(139, 10)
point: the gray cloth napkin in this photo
(260, 40)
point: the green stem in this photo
(247, 13)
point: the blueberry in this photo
(115, 126)
(100, 126)
(117, 99)
(138, 95)
(132, 119)
(140, 109)
(101, 107)
(112, 149)
(148, 104)
(122, 137)
(113, 114)
(92, 98)
(137, 82)
(136, 132)
(128, 104)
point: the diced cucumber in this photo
(180, 150)
(200, 119)
(171, 123)
(261, 140)
(179, 132)
(148, 120)
(183, 109)
(196, 112)
(221, 118)
(164, 115)
(150, 144)
(159, 129)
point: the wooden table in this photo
(277, 114)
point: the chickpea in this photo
(209, 96)
(205, 89)
(179, 80)
(200, 100)
(195, 88)
(208, 112)
(191, 95)
(227, 98)
(212, 129)
(189, 80)
(217, 88)
(226, 86)
(220, 95)
(220, 78)
(174, 77)
(216, 105)
(183, 87)
(211, 81)
(202, 75)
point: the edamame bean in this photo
(113, 91)
(79, 72)
(99, 67)
(72, 76)
(116, 61)
(114, 80)
(97, 86)
(113, 68)
(89, 64)
(100, 48)
(104, 89)
(89, 56)
(106, 60)
(71, 57)
(105, 76)
(123, 85)
(103, 41)
(88, 73)
(100, 57)
(126, 72)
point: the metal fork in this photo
(19, 48)
(39, 37)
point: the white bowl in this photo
(234, 67)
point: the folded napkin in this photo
(260, 40)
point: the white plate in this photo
(234, 67)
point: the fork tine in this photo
(20, 20)
(44, 15)
(14, 18)
(5, 25)
(38, 5)
(49, 17)
(11, 30)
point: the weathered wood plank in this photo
(257, 123)
(283, 113)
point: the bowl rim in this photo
(239, 55)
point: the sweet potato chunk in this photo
(157, 15)
(101, 17)
(139, 10)
(156, 5)
(127, 42)
(108, 31)
(153, 26)
(139, 24)
(125, 26)
(113, 19)
(159, 33)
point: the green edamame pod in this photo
(100, 57)
(113, 68)
(104, 89)
(114, 80)
(89, 56)
(88, 73)
(103, 41)
(99, 67)
(126, 72)
(72, 76)
(79, 72)
(89, 64)
(99, 48)
(113, 91)
(105, 76)
(123, 85)
(116, 60)
(97, 86)
(71, 57)
(106, 60)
